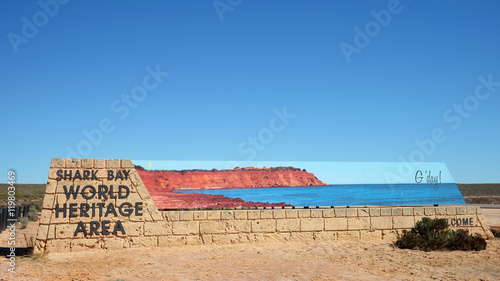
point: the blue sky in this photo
(258, 80)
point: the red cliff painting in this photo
(162, 185)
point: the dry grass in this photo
(30, 249)
(487, 189)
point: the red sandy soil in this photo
(161, 185)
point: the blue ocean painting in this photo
(348, 194)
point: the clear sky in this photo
(355, 81)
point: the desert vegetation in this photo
(433, 234)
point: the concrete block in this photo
(418, 211)
(58, 246)
(213, 215)
(277, 237)
(279, 214)
(304, 213)
(51, 186)
(429, 211)
(52, 174)
(87, 163)
(461, 210)
(253, 214)
(397, 211)
(113, 164)
(99, 163)
(155, 216)
(185, 215)
(52, 232)
(263, 225)
(358, 223)
(211, 227)
(60, 219)
(288, 225)
(374, 212)
(316, 213)
(79, 245)
(390, 235)
(385, 212)
(66, 231)
(381, 223)
(312, 224)
(238, 226)
(340, 212)
(166, 241)
(45, 216)
(291, 213)
(266, 214)
(348, 235)
(135, 179)
(133, 228)
(140, 242)
(58, 163)
(240, 214)
(352, 212)
(194, 240)
(407, 211)
(200, 215)
(157, 228)
(113, 243)
(227, 214)
(371, 234)
(403, 222)
(471, 210)
(325, 235)
(302, 236)
(48, 201)
(328, 213)
(186, 227)
(74, 163)
(225, 239)
(171, 215)
(42, 233)
(335, 223)
(440, 211)
(363, 212)
(127, 164)
(451, 210)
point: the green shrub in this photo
(430, 235)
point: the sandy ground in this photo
(317, 260)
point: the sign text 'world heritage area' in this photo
(104, 209)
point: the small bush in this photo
(496, 232)
(23, 223)
(32, 217)
(36, 205)
(430, 235)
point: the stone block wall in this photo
(113, 210)
(237, 226)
